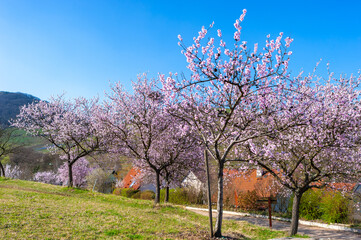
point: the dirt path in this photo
(314, 232)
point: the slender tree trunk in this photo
(157, 191)
(166, 195)
(295, 213)
(209, 195)
(2, 170)
(218, 227)
(70, 170)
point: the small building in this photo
(193, 181)
(252, 182)
(134, 179)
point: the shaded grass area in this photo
(31, 210)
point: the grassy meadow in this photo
(31, 210)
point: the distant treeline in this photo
(10, 104)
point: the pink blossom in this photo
(219, 33)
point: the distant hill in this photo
(10, 104)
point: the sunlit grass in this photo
(31, 210)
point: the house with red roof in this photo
(265, 185)
(134, 179)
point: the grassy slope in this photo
(30, 210)
(24, 139)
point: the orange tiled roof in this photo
(132, 179)
(248, 181)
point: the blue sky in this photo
(77, 47)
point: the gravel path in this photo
(314, 232)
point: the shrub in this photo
(128, 192)
(183, 196)
(327, 205)
(310, 205)
(179, 196)
(125, 192)
(248, 200)
(176, 196)
(335, 207)
(117, 191)
(147, 195)
(194, 196)
(136, 195)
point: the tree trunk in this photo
(218, 227)
(157, 191)
(166, 196)
(295, 213)
(209, 195)
(2, 170)
(70, 171)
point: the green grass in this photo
(30, 210)
(23, 139)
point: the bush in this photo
(335, 207)
(131, 193)
(136, 195)
(117, 191)
(183, 196)
(176, 196)
(125, 192)
(327, 205)
(194, 196)
(179, 196)
(147, 195)
(248, 200)
(310, 205)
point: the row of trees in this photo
(239, 104)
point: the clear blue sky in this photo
(48, 47)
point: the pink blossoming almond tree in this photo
(139, 126)
(67, 125)
(180, 152)
(227, 92)
(315, 138)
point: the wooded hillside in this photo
(10, 104)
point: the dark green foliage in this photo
(10, 104)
